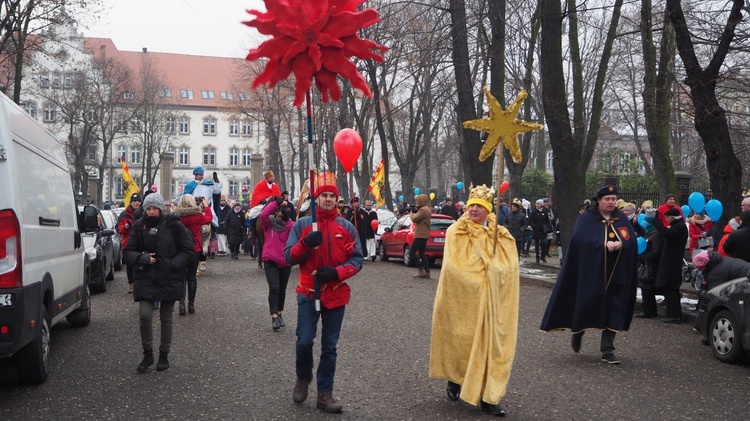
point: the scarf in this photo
(278, 225)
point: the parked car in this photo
(386, 219)
(100, 249)
(397, 239)
(724, 321)
(110, 220)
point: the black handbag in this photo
(646, 272)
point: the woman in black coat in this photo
(651, 257)
(515, 221)
(160, 249)
(234, 226)
(540, 226)
(669, 275)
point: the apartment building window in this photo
(122, 125)
(234, 157)
(135, 157)
(91, 153)
(136, 124)
(30, 108)
(209, 156)
(549, 160)
(184, 156)
(50, 113)
(246, 154)
(128, 95)
(122, 152)
(184, 125)
(234, 188)
(226, 95)
(244, 96)
(207, 94)
(234, 127)
(209, 126)
(44, 80)
(120, 188)
(186, 93)
(169, 124)
(68, 80)
(247, 128)
(165, 92)
(56, 80)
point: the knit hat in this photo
(326, 182)
(155, 200)
(482, 196)
(700, 260)
(675, 212)
(135, 197)
(198, 170)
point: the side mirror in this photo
(387, 229)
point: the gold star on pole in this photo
(502, 125)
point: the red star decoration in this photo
(314, 39)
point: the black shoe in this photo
(675, 320)
(191, 308)
(495, 410)
(163, 363)
(182, 308)
(537, 259)
(147, 361)
(275, 323)
(544, 260)
(453, 391)
(644, 316)
(549, 255)
(575, 341)
(373, 258)
(610, 359)
(281, 320)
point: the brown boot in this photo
(300, 390)
(328, 403)
(427, 274)
(420, 273)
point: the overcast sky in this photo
(198, 27)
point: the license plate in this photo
(6, 300)
(439, 240)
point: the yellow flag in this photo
(130, 185)
(377, 185)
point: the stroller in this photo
(691, 275)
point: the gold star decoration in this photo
(502, 125)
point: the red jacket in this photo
(341, 249)
(127, 217)
(262, 191)
(193, 220)
(698, 231)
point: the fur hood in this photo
(187, 211)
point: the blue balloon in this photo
(686, 210)
(642, 218)
(460, 185)
(697, 202)
(401, 198)
(641, 245)
(714, 209)
(416, 191)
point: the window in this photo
(128, 95)
(244, 96)
(226, 95)
(234, 127)
(209, 126)
(122, 153)
(45, 80)
(30, 108)
(209, 156)
(135, 157)
(549, 160)
(165, 92)
(184, 157)
(68, 80)
(91, 153)
(234, 188)
(169, 124)
(56, 80)
(186, 93)
(184, 125)
(120, 189)
(246, 154)
(207, 94)
(234, 157)
(122, 125)
(247, 128)
(136, 124)
(50, 113)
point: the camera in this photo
(153, 232)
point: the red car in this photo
(397, 239)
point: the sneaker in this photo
(281, 320)
(163, 363)
(328, 403)
(610, 359)
(275, 323)
(299, 394)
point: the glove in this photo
(279, 200)
(313, 239)
(216, 177)
(326, 274)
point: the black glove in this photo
(313, 239)
(326, 274)
(216, 177)
(279, 200)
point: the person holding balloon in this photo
(669, 275)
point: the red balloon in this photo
(348, 147)
(374, 224)
(504, 186)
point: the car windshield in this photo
(440, 224)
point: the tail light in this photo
(10, 250)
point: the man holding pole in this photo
(323, 274)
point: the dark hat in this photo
(355, 199)
(669, 196)
(745, 217)
(607, 190)
(135, 197)
(673, 212)
(448, 199)
(284, 192)
(198, 170)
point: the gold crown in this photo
(482, 192)
(327, 178)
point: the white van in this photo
(43, 275)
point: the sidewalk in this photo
(545, 274)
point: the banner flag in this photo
(130, 185)
(377, 185)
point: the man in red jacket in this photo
(327, 257)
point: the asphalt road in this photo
(228, 364)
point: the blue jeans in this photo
(307, 326)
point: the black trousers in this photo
(419, 245)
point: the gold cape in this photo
(475, 317)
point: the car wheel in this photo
(111, 273)
(407, 256)
(725, 339)
(82, 316)
(383, 256)
(32, 361)
(102, 285)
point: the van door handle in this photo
(49, 222)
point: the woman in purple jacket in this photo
(276, 226)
